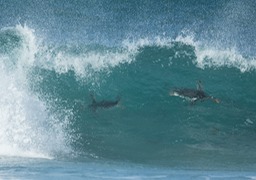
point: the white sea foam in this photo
(207, 55)
(27, 127)
(90, 60)
(214, 57)
(96, 61)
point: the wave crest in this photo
(28, 127)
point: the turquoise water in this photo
(19, 168)
(55, 55)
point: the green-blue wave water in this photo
(138, 52)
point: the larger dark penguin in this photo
(193, 95)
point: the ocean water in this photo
(55, 55)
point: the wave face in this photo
(50, 71)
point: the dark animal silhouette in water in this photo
(193, 95)
(103, 103)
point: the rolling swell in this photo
(148, 126)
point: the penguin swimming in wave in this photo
(103, 104)
(193, 95)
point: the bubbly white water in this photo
(27, 128)
(207, 55)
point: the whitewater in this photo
(138, 53)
